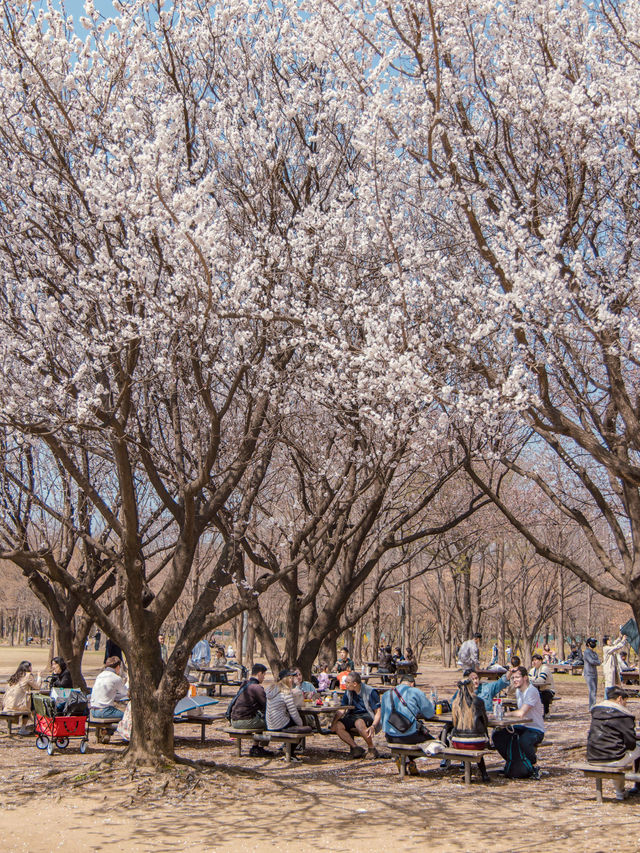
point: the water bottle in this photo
(335, 698)
(500, 710)
(434, 696)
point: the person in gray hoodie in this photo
(589, 669)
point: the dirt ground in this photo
(77, 803)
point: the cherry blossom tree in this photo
(506, 167)
(172, 186)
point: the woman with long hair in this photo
(282, 713)
(17, 699)
(470, 724)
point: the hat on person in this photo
(285, 673)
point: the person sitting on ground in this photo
(108, 690)
(541, 676)
(623, 662)
(324, 676)
(469, 653)
(469, 717)
(17, 698)
(524, 737)
(612, 738)
(282, 714)
(366, 703)
(60, 677)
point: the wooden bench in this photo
(104, 728)
(261, 736)
(600, 772)
(406, 752)
(202, 720)
(11, 718)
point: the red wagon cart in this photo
(55, 729)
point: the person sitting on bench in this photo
(612, 738)
(541, 676)
(282, 714)
(17, 699)
(109, 689)
(413, 706)
(518, 747)
(362, 720)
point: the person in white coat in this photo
(611, 661)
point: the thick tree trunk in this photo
(327, 651)
(71, 648)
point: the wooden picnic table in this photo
(630, 676)
(494, 722)
(213, 676)
(311, 715)
(490, 674)
(572, 668)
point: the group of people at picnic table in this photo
(402, 713)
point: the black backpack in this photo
(227, 713)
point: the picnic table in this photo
(311, 715)
(211, 676)
(490, 674)
(369, 665)
(572, 668)
(494, 722)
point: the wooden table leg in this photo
(598, 790)
(239, 742)
(202, 725)
(287, 751)
(403, 766)
(467, 773)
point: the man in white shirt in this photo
(528, 735)
(108, 689)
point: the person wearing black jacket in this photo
(247, 709)
(612, 737)
(61, 676)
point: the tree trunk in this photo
(375, 629)
(71, 648)
(327, 651)
(153, 698)
(560, 628)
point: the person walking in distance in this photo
(589, 669)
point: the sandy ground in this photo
(77, 803)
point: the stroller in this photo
(59, 720)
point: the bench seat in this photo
(408, 751)
(202, 720)
(12, 718)
(261, 736)
(598, 772)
